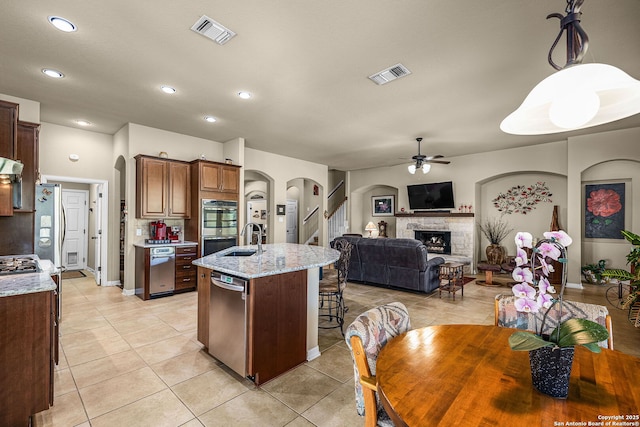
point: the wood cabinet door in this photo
(277, 328)
(204, 289)
(8, 129)
(26, 358)
(210, 177)
(230, 179)
(27, 153)
(151, 188)
(179, 190)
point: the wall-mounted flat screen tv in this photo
(438, 195)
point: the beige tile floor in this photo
(128, 362)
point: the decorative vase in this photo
(550, 370)
(495, 254)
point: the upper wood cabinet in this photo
(27, 154)
(163, 188)
(8, 129)
(218, 177)
(179, 190)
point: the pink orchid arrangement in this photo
(534, 292)
(553, 247)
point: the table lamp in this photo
(370, 227)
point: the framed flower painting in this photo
(604, 210)
(382, 205)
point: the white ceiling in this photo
(307, 63)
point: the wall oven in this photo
(219, 225)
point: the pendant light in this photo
(578, 95)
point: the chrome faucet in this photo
(259, 233)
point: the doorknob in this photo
(94, 237)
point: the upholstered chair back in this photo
(375, 328)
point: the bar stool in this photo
(331, 304)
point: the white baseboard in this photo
(313, 353)
(575, 285)
(128, 292)
(112, 283)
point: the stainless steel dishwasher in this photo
(227, 321)
(162, 271)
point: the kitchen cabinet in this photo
(209, 180)
(163, 188)
(276, 324)
(8, 129)
(218, 177)
(186, 272)
(26, 356)
(8, 147)
(27, 154)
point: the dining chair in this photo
(507, 316)
(365, 337)
(331, 288)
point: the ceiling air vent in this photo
(390, 74)
(213, 30)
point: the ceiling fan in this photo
(423, 162)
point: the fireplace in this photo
(437, 242)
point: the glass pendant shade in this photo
(412, 169)
(576, 97)
(426, 168)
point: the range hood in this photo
(10, 167)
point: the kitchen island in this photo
(278, 308)
(28, 337)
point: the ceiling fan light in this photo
(412, 169)
(618, 94)
(426, 168)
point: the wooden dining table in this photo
(467, 375)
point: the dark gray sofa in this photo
(398, 263)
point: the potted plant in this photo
(593, 273)
(633, 276)
(495, 230)
(551, 356)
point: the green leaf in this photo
(618, 274)
(596, 221)
(525, 341)
(607, 222)
(594, 347)
(580, 331)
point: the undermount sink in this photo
(241, 253)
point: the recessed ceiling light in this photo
(53, 73)
(210, 119)
(167, 89)
(83, 122)
(244, 95)
(62, 24)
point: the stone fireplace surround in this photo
(461, 226)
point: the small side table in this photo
(451, 278)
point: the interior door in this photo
(292, 221)
(74, 248)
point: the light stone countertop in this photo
(143, 244)
(25, 283)
(276, 258)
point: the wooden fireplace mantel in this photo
(434, 214)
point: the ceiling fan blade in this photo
(442, 162)
(437, 156)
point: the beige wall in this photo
(564, 165)
(606, 149)
(281, 170)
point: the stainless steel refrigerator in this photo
(49, 223)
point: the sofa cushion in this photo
(373, 258)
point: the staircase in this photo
(337, 218)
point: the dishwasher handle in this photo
(228, 286)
